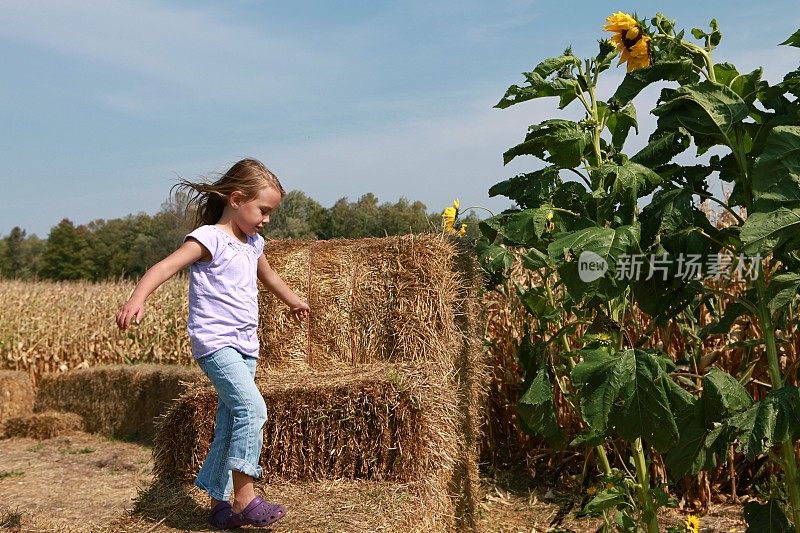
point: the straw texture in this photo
(116, 400)
(16, 394)
(42, 425)
(382, 384)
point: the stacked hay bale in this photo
(117, 400)
(383, 383)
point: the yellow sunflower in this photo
(549, 225)
(692, 524)
(449, 217)
(630, 40)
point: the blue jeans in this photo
(239, 428)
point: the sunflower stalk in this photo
(600, 450)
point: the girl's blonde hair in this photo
(247, 176)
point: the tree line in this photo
(126, 247)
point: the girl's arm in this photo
(279, 288)
(189, 252)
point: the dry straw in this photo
(55, 327)
(383, 383)
(118, 400)
(42, 425)
(16, 394)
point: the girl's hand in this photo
(300, 311)
(128, 312)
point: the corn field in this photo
(55, 327)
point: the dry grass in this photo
(42, 426)
(55, 327)
(382, 383)
(118, 400)
(16, 394)
(390, 299)
(368, 424)
(328, 506)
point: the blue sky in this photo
(106, 103)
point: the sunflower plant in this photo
(581, 218)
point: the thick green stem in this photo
(597, 130)
(787, 446)
(649, 515)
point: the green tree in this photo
(403, 217)
(12, 265)
(66, 255)
(297, 217)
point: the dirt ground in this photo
(85, 482)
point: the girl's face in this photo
(251, 215)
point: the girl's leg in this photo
(232, 376)
(215, 476)
(244, 491)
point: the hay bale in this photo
(377, 423)
(42, 426)
(383, 383)
(375, 300)
(16, 394)
(118, 400)
(386, 423)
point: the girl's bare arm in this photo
(189, 252)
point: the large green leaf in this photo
(629, 181)
(748, 85)
(606, 499)
(557, 141)
(524, 227)
(793, 40)
(673, 220)
(493, 258)
(539, 86)
(601, 376)
(635, 81)
(604, 244)
(766, 518)
(776, 173)
(537, 411)
(708, 110)
(763, 232)
(703, 436)
(647, 414)
(531, 189)
(768, 422)
(723, 396)
(619, 122)
(662, 146)
(663, 299)
(781, 290)
(625, 392)
(537, 303)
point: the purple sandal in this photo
(259, 512)
(221, 517)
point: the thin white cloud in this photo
(434, 160)
(197, 51)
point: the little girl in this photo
(226, 256)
